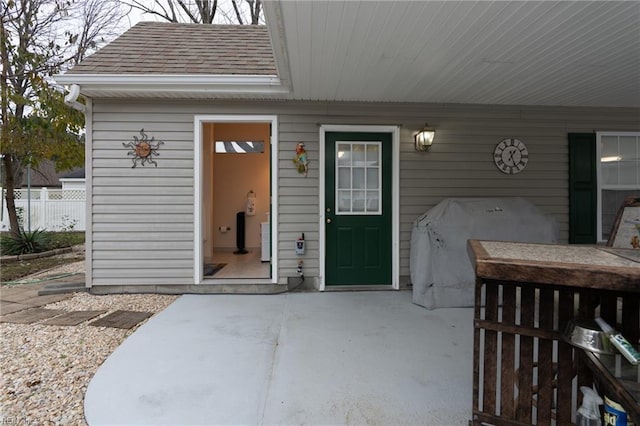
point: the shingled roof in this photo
(170, 48)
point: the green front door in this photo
(358, 172)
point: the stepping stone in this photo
(121, 319)
(29, 316)
(74, 317)
(11, 307)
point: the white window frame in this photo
(600, 187)
(337, 190)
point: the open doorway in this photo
(236, 194)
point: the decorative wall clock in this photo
(511, 156)
(143, 149)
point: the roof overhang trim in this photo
(174, 83)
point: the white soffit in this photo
(570, 53)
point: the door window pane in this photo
(358, 154)
(373, 178)
(344, 178)
(358, 201)
(373, 202)
(358, 178)
(344, 201)
(373, 156)
(344, 155)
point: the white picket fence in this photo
(51, 209)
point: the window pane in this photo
(619, 173)
(611, 202)
(628, 148)
(358, 154)
(344, 155)
(372, 179)
(628, 172)
(358, 201)
(344, 178)
(239, 147)
(372, 201)
(344, 201)
(609, 146)
(373, 155)
(610, 173)
(358, 178)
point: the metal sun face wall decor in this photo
(143, 149)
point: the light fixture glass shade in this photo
(424, 138)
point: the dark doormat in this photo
(121, 319)
(73, 318)
(29, 316)
(211, 268)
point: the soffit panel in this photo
(535, 53)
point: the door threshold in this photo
(383, 287)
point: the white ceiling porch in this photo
(567, 53)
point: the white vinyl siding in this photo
(142, 230)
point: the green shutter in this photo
(582, 188)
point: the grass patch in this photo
(12, 271)
(16, 270)
(66, 239)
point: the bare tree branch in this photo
(191, 16)
(145, 8)
(97, 19)
(237, 10)
(256, 13)
(202, 11)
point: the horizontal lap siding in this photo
(143, 216)
(460, 164)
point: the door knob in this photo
(328, 220)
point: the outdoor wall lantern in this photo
(424, 138)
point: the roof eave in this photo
(174, 83)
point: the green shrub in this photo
(26, 242)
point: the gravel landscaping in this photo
(45, 370)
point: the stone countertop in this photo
(579, 255)
(556, 264)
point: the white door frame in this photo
(395, 193)
(199, 120)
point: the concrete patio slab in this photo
(297, 358)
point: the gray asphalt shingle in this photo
(170, 48)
